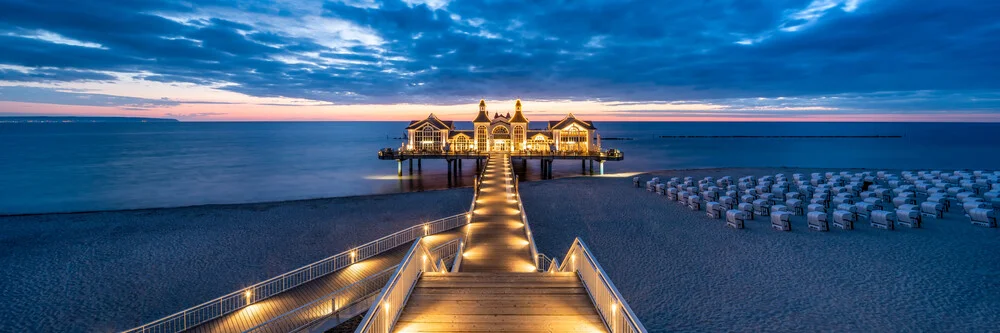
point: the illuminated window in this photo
(428, 138)
(462, 143)
(539, 143)
(481, 138)
(518, 137)
(573, 139)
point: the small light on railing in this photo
(426, 229)
(248, 294)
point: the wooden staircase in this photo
(499, 301)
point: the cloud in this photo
(936, 55)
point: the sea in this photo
(73, 167)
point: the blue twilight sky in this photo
(374, 59)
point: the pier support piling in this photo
(591, 167)
(411, 166)
(602, 167)
(399, 168)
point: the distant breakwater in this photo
(781, 136)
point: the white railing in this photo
(221, 306)
(527, 227)
(331, 304)
(381, 317)
(610, 304)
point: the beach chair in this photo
(727, 202)
(982, 217)
(817, 221)
(660, 189)
(840, 199)
(732, 194)
(794, 206)
(844, 219)
(734, 218)
(814, 207)
(635, 181)
(970, 205)
(876, 203)
(682, 197)
(747, 198)
(710, 195)
(883, 220)
(769, 197)
(747, 209)
(650, 186)
(864, 209)
(694, 202)
(850, 208)
(932, 209)
(908, 217)
(672, 194)
(781, 221)
(713, 209)
(762, 207)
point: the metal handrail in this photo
(609, 302)
(236, 300)
(387, 307)
(327, 305)
(527, 227)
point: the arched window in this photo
(500, 130)
(462, 143)
(518, 138)
(428, 138)
(573, 139)
(481, 138)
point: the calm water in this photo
(81, 167)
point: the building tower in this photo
(519, 128)
(480, 125)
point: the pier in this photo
(545, 160)
(476, 271)
(435, 139)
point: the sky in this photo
(681, 60)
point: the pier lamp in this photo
(248, 294)
(426, 229)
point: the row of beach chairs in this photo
(883, 198)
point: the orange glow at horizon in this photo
(462, 113)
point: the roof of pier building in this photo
(433, 121)
(569, 120)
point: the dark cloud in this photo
(560, 49)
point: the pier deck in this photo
(262, 311)
(498, 287)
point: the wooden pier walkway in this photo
(498, 287)
(267, 309)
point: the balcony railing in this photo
(387, 307)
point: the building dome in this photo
(482, 103)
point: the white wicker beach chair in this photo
(983, 217)
(694, 202)
(734, 218)
(672, 194)
(660, 189)
(747, 209)
(908, 217)
(883, 219)
(713, 209)
(817, 221)
(781, 221)
(727, 202)
(794, 206)
(864, 209)
(844, 219)
(816, 208)
(932, 209)
(970, 205)
(762, 207)
(635, 181)
(682, 197)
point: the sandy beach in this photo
(109, 271)
(679, 270)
